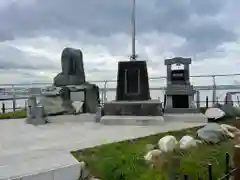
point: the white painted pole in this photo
(133, 23)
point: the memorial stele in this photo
(179, 95)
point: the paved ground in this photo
(68, 133)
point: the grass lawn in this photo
(13, 115)
(125, 160)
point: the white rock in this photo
(167, 143)
(230, 131)
(214, 113)
(187, 142)
(153, 155)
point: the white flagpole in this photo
(133, 23)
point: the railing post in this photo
(236, 161)
(214, 93)
(206, 102)
(105, 91)
(198, 99)
(238, 101)
(14, 99)
(227, 168)
(3, 108)
(210, 177)
(25, 105)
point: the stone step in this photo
(185, 117)
(39, 165)
(132, 120)
(181, 110)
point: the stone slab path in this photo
(69, 133)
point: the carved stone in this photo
(132, 83)
(133, 105)
(179, 92)
(72, 68)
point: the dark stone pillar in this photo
(132, 81)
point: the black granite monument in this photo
(132, 81)
(132, 93)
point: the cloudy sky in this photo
(34, 32)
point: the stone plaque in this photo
(132, 81)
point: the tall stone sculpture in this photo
(72, 68)
(72, 86)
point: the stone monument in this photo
(72, 68)
(133, 105)
(73, 88)
(179, 92)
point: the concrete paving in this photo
(69, 133)
(42, 152)
(43, 165)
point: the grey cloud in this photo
(205, 39)
(13, 58)
(106, 17)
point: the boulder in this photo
(167, 143)
(211, 133)
(230, 131)
(154, 157)
(214, 113)
(187, 142)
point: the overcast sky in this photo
(34, 32)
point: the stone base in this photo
(132, 120)
(133, 108)
(186, 117)
(37, 121)
(181, 110)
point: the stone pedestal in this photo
(35, 113)
(133, 108)
(133, 105)
(86, 93)
(180, 99)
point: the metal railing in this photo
(20, 91)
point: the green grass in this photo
(13, 115)
(125, 160)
